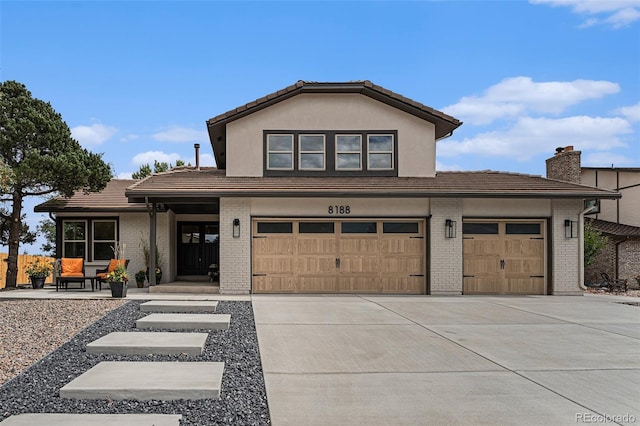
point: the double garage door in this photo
(338, 256)
(504, 257)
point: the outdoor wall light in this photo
(450, 228)
(570, 229)
(236, 228)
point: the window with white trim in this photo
(380, 152)
(104, 238)
(280, 152)
(311, 150)
(74, 238)
(348, 152)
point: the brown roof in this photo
(190, 183)
(110, 199)
(614, 229)
(444, 124)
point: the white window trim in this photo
(269, 151)
(94, 240)
(85, 241)
(348, 152)
(369, 152)
(323, 152)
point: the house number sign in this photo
(339, 210)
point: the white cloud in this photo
(441, 167)
(607, 159)
(617, 13)
(124, 175)
(516, 96)
(181, 134)
(206, 160)
(631, 113)
(150, 156)
(92, 135)
(130, 137)
(529, 137)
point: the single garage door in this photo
(338, 256)
(504, 257)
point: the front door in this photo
(197, 247)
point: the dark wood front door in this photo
(197, 247)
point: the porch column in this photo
(152, 244)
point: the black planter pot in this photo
(118, 289)
(37, 282)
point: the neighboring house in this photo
(618, 219)
(332, 188)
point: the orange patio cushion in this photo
(71, 267)
(102, 275)
(114, 263)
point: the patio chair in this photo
(614, 285)
(101, 274)
(71, 270)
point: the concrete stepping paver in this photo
(59, 419)
(186, 321)
(143, 381)
(145, 343)
(179, 306)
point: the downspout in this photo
(581, 248)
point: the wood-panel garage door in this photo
(504, 257)
(338, 256)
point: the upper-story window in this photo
(312, 152)
(348, 152)
(380, 149)
(280, 152)
(330, 152)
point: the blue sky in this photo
(137, 80)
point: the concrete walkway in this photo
(410, 360)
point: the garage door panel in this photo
(359, 284)
(486, 246)
(317, 246)
(273, 246)
(525, 286)
(405, 245)
(273, 284)
(404, 266)
(315, 265)
(273, 265)
(481, 285)
(406, 285)
(351, 245)
(315, 284)
(359, 264)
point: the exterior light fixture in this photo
(570, 229)
(236, 228)
(450, 228)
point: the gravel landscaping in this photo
(243, 397)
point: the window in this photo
(480, 228)
(74, 238)
(380, 149)
(400, 227)
(359, 227)
(316, 227)
(104, 238)
(523, 228)
(275, 227)
(280, 152)
(348, 152)
(311, 149)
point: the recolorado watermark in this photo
(605, 418)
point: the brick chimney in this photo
(564, 165)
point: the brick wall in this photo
(605, 261)
(235, 253)
(566, 251)
(629, 259)
(565, 166)
(445, 253)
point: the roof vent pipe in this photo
(197, 147)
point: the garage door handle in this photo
(259, 275)
(501, 263)
(337, 263)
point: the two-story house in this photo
(332, 188)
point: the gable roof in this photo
(110, 199)
(614, 229)
(444, 124)
(192, 184)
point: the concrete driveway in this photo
(414, 360)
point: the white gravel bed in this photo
(30, 329)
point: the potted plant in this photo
(38, 270)
(141, 275)
(118, 280)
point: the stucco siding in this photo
(505, 207)
(416, 137)
(358, 207)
